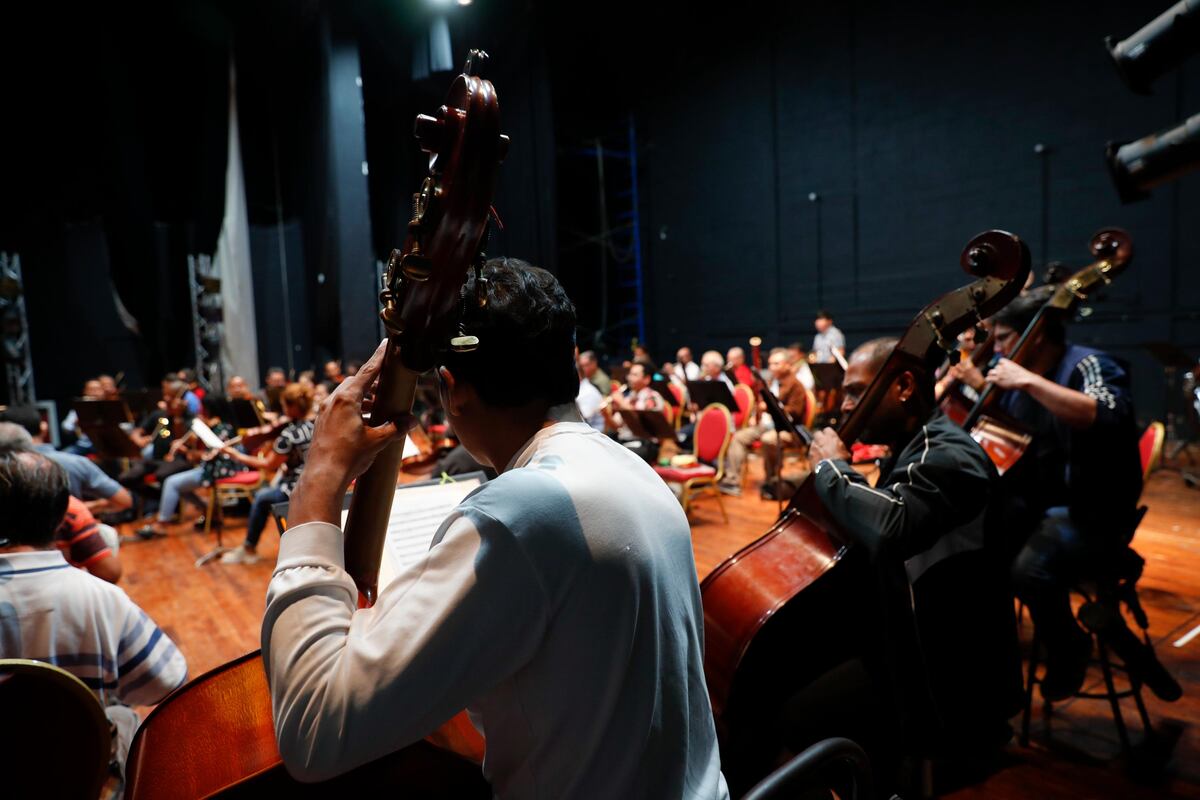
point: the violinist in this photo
(794, 400)
(926, 527)
(156, 435)
(637, 396)
(1074, 503)
(290, 451)
(207, 466)
(559, 602)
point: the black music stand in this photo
(704, 393)
(827, 385)
(140, 401)
(102, 421)
(783, 423)
(662, 387)
(648, 425)
(243, 414)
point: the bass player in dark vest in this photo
(927, 526)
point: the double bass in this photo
(216, 736)
(796, 603)
(1004, 440)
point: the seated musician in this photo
(88, 482)
(794, 400)
(735, 360)
(798, 357)
(1075, 495)
(712, 368)
(193, 395)
(208, 466)
(589, 401)
(638, 396)
(685, 367)
(964, 372)
(333, 374)
(108, 385)
(924, 526)
(82, 446)
(52, 612)
(289, 451)
(156, 436)
(591, 370)
(559, 603)
(274, 383)
(83, 541)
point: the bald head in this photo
(872, 354)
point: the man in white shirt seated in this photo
(684, 369)
(50, 611)
(558, 603)
(589, 402)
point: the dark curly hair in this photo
(527, 325)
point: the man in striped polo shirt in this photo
(52, 612)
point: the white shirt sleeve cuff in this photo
(309, 544)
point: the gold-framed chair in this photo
(710, 440)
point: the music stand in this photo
(662, 387)
(648, 425)
(704, 393)
(102, 421)
(140, 401)
(827, 385)
(218, 407)
(783, 423)
(243, 414)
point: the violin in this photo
(1004, 439)
(215, 735)
(797, 602)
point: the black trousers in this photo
(1056, 557)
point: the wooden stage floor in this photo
(213, 613)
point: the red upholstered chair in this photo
(242, 484)
(714, 430)
(1150, 446)
(743, 395)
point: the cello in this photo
(216, 735)
(1003, 439)
(802, 583)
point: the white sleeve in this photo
(805, 376)
(350, 685)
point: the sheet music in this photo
(410, 448)
(417, 512)
(205, 434)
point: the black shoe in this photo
(198, 525)
(147, 532)
(1149, 670)
(1066, 668)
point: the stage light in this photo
(1137, 167)
(464, 2)
(1158, 47)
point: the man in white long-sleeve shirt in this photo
(558, 603)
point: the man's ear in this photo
(906, 386)
(451, 392)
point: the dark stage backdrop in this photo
(114, 152)
(915, 127)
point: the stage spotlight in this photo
(1137, 167)
(1165, 41)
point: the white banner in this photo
(231, 262)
